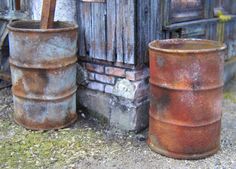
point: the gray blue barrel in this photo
(43, 68)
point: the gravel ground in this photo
(89, 145)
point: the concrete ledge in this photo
(123, 113)
(128, 115)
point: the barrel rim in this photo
(182, 156)
(30, 127)
(71, 27)
(188, 88)
(222, 47)
(40, 98)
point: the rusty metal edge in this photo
(181, 125)
(38, 66)
(53, 99)
(46, 129)
(185, 89)
(182, 156)
(72, 27)
(222, 48)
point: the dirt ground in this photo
(89, 145)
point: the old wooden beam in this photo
(17, 4)
(48, 12)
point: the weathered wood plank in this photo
(98, 31)
(149, 26)
(228, 5)
(143, 13)
(48, 12)
(3, 33)
(165, 12)
(230, 38)
(17, 4)
(85, 24)
(4, 5)
(129, 32)
(119, 30)
(182, 10)
(154, 20)
(211, 31)
(125, 31)
(25, 5)
(111, 30)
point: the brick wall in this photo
(119, 92)
(104, 76)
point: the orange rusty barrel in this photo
(43, 68)
(186, 83)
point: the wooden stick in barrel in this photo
(17, 4)
(48, 12)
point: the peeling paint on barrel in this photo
(43, 68)
(186, 95)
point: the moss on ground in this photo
(21, 148)
(230, 96)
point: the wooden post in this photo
(17, 4)
(48, 12)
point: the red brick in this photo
(115, 71)
(135, 75)
(95, 68)
(105, 79)
(96, 86)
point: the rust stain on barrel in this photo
(43, 67)
(186, 81)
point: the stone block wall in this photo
(118, 92)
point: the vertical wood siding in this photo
(84, 21)
(125, 32)
(4, 5)
(107, 30)
(230, 38)
(148, 26)
(98, 31)
(111, 30)
(9, 4)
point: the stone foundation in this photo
(117, 92)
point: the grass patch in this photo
(21, 148)
(230, 96)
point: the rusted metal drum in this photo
(43, 68)
(186, 82)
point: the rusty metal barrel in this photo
(186, 84)
(43, 69)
